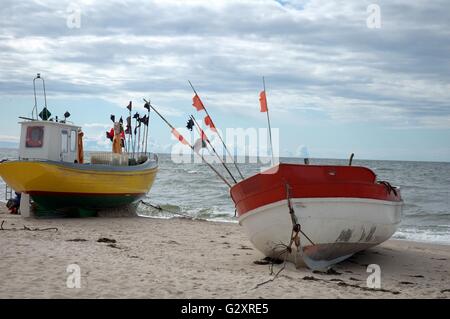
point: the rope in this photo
(296, 227)
(158, 207)
(295, 239)
(389, 187)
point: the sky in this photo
(338, 79)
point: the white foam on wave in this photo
(426, 236)
(215, 220)
(222, 220)
(155, 216)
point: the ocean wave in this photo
(220, 220)
(213, 213)
(192, 191)
(412, 187)
(424, 235)
(382, 169)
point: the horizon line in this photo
(296, 157)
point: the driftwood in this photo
(27, 228)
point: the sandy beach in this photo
(181, 258)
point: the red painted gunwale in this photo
(308, 181)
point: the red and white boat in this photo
(341, 210)
(315, 214)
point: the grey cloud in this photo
(306, 48)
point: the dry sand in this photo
(179, 258)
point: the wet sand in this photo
(180, 258)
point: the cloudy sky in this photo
(334, 84)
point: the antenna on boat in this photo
(351, 159)
(66, 116)
(184, 141)
(203, 135)
(220, 137)
(35, 108)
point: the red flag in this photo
(209, 122)
(203, 135)
(110, 134)
(263, 101)
(197, 103)
(179, 137)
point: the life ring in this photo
(35, 142)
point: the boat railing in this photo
(108, 158)
(139, 158)
(124, 159)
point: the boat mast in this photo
(202, 134)
(268, 122)
(35, 108)
(147, 106)
(192, 148)
(220, 137)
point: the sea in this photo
(191, 189)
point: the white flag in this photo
(199, 144)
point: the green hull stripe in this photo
(53, 201)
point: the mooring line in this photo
(158, 207)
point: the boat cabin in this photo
(48, 140)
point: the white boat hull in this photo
(338, 227)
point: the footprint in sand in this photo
(406, 283)
(106, 240)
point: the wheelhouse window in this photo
(64, 141)
(73, 141)
(35, 136)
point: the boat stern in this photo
(14, 176)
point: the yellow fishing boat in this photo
(51, 171)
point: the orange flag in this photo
(263, 101)
(197, 103)
(209, 122)
(179, 137)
